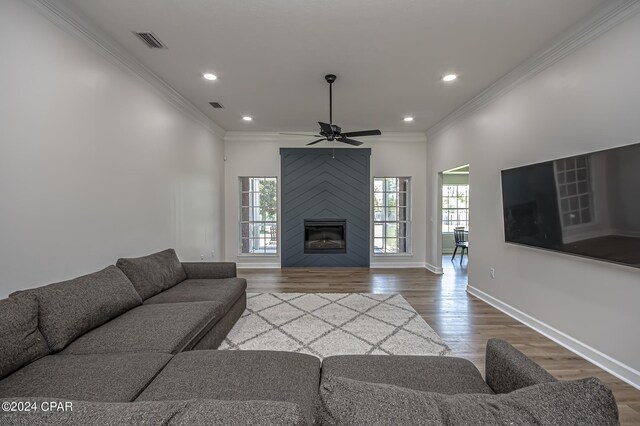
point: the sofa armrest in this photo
(507, 369)
(209, 270)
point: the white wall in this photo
(258, 154)
(94, 163)
(586, 102)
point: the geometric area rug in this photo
(325, 324)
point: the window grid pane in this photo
(574, 195)
(455, 207)
(391, 222)
(258, 215)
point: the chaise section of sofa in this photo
(241, 376)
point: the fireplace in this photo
(325, 236)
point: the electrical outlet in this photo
(202, 257)
(492, 273)
(213, 253)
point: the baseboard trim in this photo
(604, 361)
(258, 265)
(435, 269)
(396, 265)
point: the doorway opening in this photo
(454, 213)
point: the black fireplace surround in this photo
(325, 236)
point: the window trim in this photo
(240, 221)
(409, 221)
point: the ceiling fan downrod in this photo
(331, 78)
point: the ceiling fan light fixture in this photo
(449, 78)
(408, 119)
(332, 132)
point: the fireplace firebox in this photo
(325, 236)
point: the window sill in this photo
(258, 255)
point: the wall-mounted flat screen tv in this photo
(587, 205)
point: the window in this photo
(572, 180)
(258, 215)
(391, 216)
(455, 207)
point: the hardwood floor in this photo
(462, 320)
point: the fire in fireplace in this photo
(325, 236)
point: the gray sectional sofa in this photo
(135, 344)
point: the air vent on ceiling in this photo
(216, 105)
(150, 39)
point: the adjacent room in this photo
(334, 213)
(455, 212)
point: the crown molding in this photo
(81, 28)
(599, 22)
(397, 137)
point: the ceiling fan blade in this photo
(315, 142)
(349, 141)
(300, 134)
(326, 128)
(363, 133)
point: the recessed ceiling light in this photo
(247, 118)
(449, 77)
(408, 119)
(209, 76)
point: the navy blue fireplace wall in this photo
(317, 186)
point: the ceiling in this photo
(271, 56)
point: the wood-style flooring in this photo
(463, 321)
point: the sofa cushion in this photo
(153, 273)
(203, 412)
(586, 402)
(168, 328)
(21, 342)
(239, 375)
(441, 374)
(104, 377)
(70, 308)
(225, 291)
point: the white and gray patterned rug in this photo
(324, 324)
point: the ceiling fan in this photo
(332, 132)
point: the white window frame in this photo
(408, 221)
(249, 222)
(442, 224)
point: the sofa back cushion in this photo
(586, 402)
(21, 342)
(154, 273)
(69, 309)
